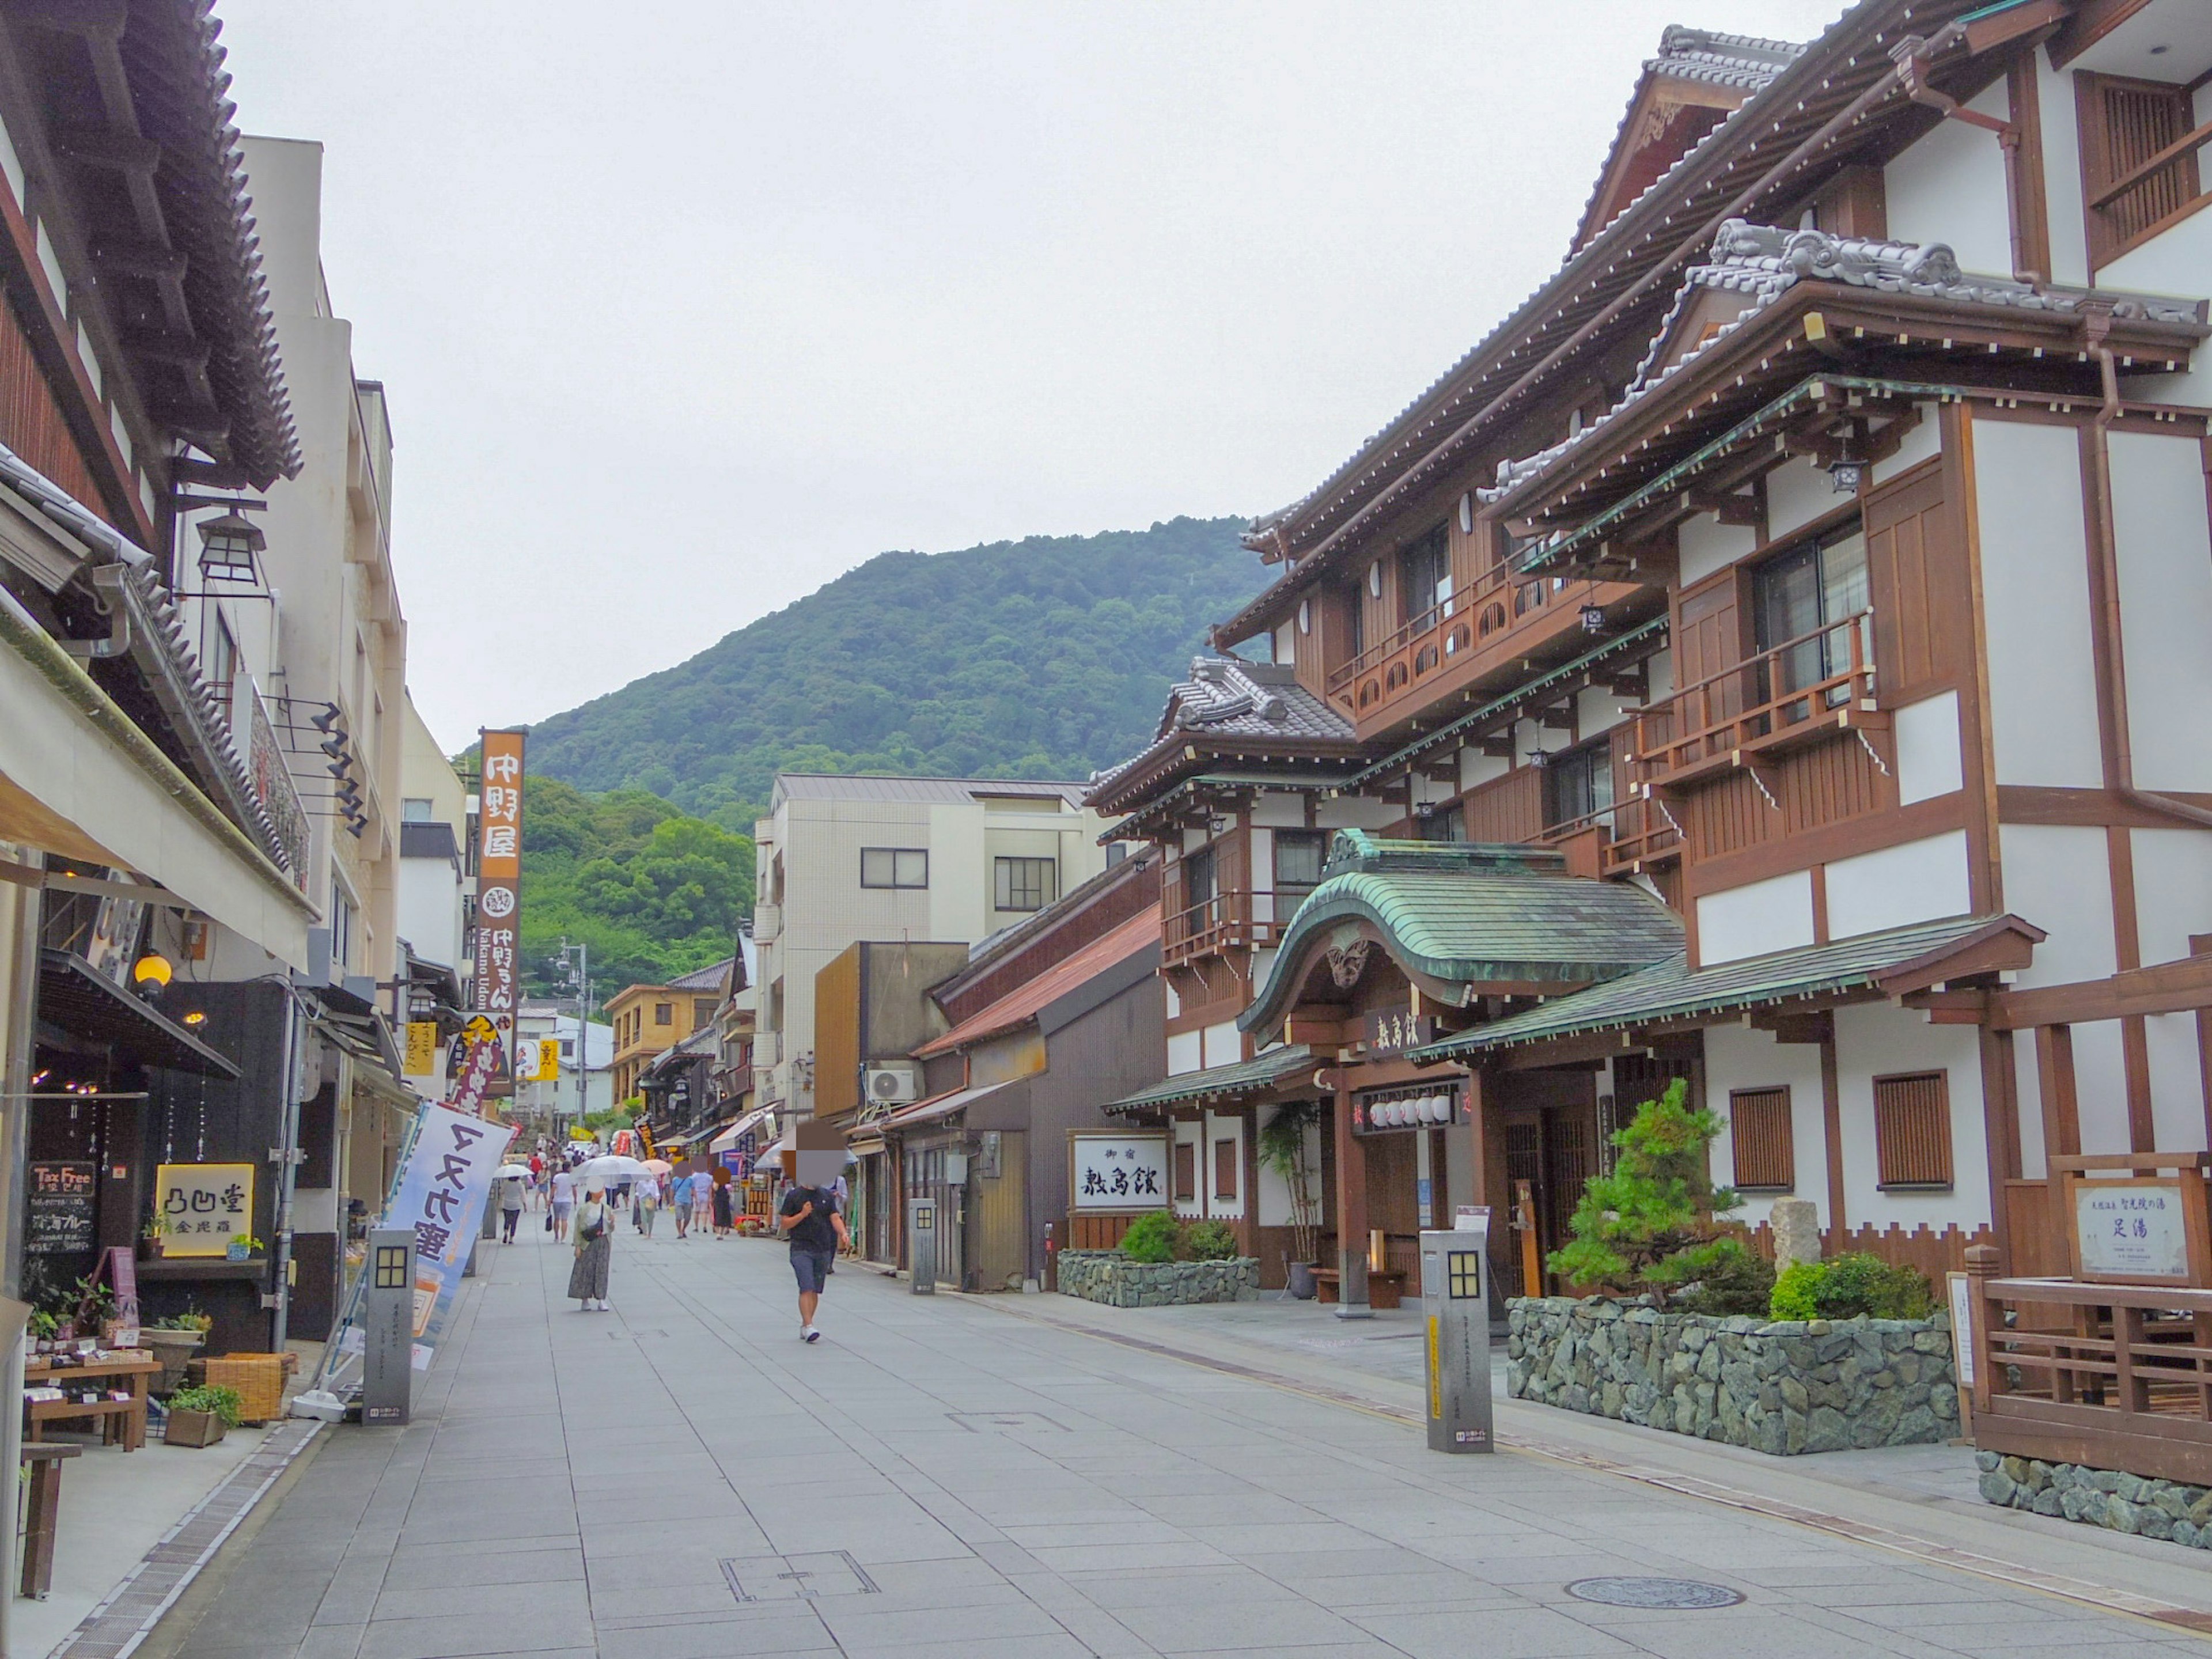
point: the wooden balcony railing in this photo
(2153, 195)
(1501, 609)
(2118, 1376)
(1630, 834)
(1233, 921)
(1819, 683)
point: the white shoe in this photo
(810, 1335)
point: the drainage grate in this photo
(1683, 1594)
(798, 1577)
(1005, 1422)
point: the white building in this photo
(847, 859)
(548, 1098)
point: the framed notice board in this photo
(2142, 1230)
(59, 1218)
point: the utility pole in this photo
(576, 959)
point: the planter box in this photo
(1112, 1278)
(193, 1429)
(1782, 1387)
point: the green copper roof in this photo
(1245, 1077)
(1669, 990)
(1470, 913)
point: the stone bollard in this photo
(1797, 1223)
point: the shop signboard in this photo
(60, 1218)
(441, 1195)
(1110, 1171)
(421, 1057)
(2144, 1230)
(1394, 1029)
(499, 883)
(204, 1207)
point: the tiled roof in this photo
(1718, 59)
(1671, 990)
(1022, 1005)
(1764, 262)
(708, 978)
(816, 786)
(1470, 913)
(1245, 1077)
(1226, 698)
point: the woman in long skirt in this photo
(721, 1206)
(595, 1250)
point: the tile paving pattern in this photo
(956, 1483)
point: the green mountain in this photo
(1048, 657)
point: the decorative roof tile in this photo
(1227, 697)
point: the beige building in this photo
(847, 859)
(648, 1020)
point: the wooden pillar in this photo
(1350, 1213)
(2198, 944)
(1831, 1126)
(2062, 1131)
(2000, 1133)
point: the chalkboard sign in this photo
(60, 1219)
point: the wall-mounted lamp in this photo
(1592, 619)
(227, 545)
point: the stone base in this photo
(1783, 1388)
(1110, 1277)
(2100, 1497)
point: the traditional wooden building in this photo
(1819, 561)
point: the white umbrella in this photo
(506, 1170)
(614, 1167)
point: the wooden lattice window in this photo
(1225, 1170)
(1912, 1130)
(2139, 174)
(1186, 1172)
(1759, 1131)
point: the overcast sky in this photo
(685, 306)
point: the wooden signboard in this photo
(2142, 1230)
(204, 1207)
(1110, 1171)
(59, 1221)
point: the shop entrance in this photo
(1551, 1147)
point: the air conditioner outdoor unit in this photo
(891, 1085)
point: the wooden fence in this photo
(1932, 1253)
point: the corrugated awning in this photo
(727, 1140)
(1233, 1082)
(936, 1107)
(77, 999)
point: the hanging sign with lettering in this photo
(499, 885)
(203, 1207)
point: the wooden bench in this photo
(42, 1516)
(122, 1422)
(1385, 1290)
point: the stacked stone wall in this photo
(1783, 1387)
(1112, 1278)
(2099, 1498)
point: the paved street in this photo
(682, 1478)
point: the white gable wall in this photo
(1950, 188)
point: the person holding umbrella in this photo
(595, 1247)
(510, 1178)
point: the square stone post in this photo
(1351, 1213)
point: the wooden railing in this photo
(1803, 688)
(1228, 922)
(2153, 195)
(2125, 1381)
(1641, 834)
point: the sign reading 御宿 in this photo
(204, 1207)
(1109, 1171)
(499, 882)
(2145, 1230)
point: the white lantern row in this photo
(1410, 1113)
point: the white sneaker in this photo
(810, 1335)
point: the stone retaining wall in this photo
(1112, 1278)
(1782, 1387)
(2101, 1498)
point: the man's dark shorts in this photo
(812, 1267)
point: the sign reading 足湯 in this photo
(2142, 1230)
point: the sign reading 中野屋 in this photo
(1110, 1171)
(498, 882)
(441, 1195)
(204, 1207)
(2137, 1230)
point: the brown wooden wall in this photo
(1507, 809)
(1825, 784)
(30, 419)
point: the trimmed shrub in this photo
(1849, 1286)
(1208, 1240)
(1731, 1278)
(1151, 1237)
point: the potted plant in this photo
(1282, 1148)
(155, 1238)
(201, 1416)
(173, 1340)
(242, 1248)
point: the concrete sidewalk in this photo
(972, 1477)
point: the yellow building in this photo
(651, 1019)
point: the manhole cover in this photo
(1005, 1422)
(797, 1577)
(1681, 1593)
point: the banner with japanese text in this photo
(442, 1193)
(499, 885)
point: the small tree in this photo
(1649, 1226)
(1283, 1149)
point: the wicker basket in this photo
(258, 1377)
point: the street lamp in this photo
(227, 545)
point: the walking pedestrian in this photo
(679, 1202)
(809, 1217)
(510, 1206)
(595, 1250)
(644, 1203)
(721, 1201)
(564, 1201)
(702, 1198)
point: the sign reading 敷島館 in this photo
(1109, 1171)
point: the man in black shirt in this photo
(809, 1216)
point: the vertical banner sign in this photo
(442, 1193)
(499, 885)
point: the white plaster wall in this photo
(1950, 187)
(2062, 174)
(1263, 966)
(2099, 1082)
(1930, 762)
(1476, 768)
(1222, 1126)
(1224, 1044)
(1529, 736)
(1355, 812)
(1923, 442)
(1874, 1040)
(1286, 648)
(1917, 881)
(1597, 709)
(2059, 877)
(1263, 860)
(1186, 1052)
(2163, 542)
(1774, 914)
(2173, 890)
(2035, 582)
(2177, 1082)
(1280, 811)
(1737, 1057)
(1174, 998)
(1706, 545)
(1659, 668)
(1798, 492)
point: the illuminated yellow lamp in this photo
(196, 1017)
(152, 971)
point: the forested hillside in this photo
(1048, 657)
